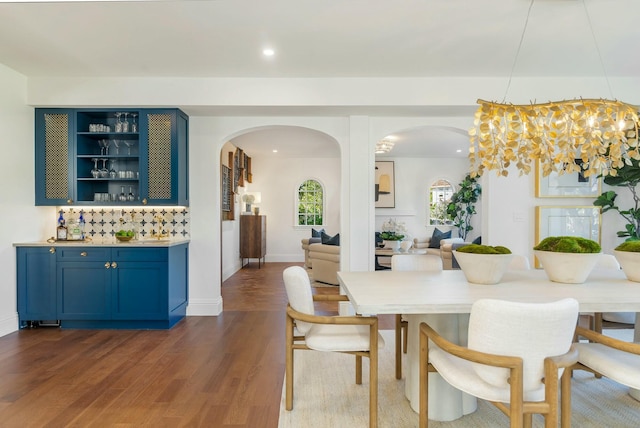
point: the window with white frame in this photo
(310, 204)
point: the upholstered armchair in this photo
(515, 353)
(356, 335)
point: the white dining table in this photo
(444, 299)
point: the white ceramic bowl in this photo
(483, 268)
(567, 268)
(630, 262)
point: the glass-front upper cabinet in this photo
(112, 157)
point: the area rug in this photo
(325, 395)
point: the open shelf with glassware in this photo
(111, 157)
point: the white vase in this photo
(630, 263)
(392, 245)
(483, 268)
(405, 245)
(567, 268)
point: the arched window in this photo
(440, 194)
(310, 204)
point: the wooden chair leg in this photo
(424, 382)
(528, 420)
(398, 346)
(373, 388)
(358, 370)
(405, 329)
(565, 398)
(289, 365)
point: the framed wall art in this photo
(583, 221)
(574, 185)
(385, 185)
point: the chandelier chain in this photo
(515, 60)
(595, 42)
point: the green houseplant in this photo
(628, 255)
(462, 206)
(483, 264)
(627, 176)
(567, 259)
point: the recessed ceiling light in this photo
(268, 52)
(275, 150)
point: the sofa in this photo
(444, 251)
(305, 247)
(324, 261)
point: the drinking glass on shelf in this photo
(104, 172)
(134, 124)
(118, 122)
(112, 171)
(122, 196)
(130, 197)
(95, 172)
(117, 144)
(125, 123)
(128, 143)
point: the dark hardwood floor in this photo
(223, 371)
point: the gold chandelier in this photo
(594, 136)
(603, 134)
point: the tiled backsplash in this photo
(104, 222)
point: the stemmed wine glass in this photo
(125, 123)
(104, 172)
(116, 144)
(134, 124)
(128, 143)
(95, 172)
(104, 146)
(118, 122)
(112, 171)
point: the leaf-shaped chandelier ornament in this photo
(602, 133)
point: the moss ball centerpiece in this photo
(568, 259)
(483, 264)
(628, 255)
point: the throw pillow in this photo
(438, 236)
(330, 240)
(478, 240)
(316, 233)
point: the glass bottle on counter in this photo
(61, 231)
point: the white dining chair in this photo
(410, 262)
(613, 319)
(515, 354)
(519, 262)
(356, 335)
(609, 357)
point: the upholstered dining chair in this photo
(609, 357)
(410, 262)
(600, 320)
(519, 262)
(357, 335)
(515, 353)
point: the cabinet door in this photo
(164, 157)
(140, 291)
(84, 290)
(54, 151)
(36, 278)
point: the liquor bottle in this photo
(61, 231)
(82, 224)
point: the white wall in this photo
(413, 177)
(21, 220)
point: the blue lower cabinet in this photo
(106, 287)
(36, 278)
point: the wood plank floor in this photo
(223, 371)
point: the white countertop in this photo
(389, 292)
(107, 242)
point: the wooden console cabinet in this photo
(253, 237)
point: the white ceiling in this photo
(327, 38)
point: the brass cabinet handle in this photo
(114, 265)
(52, 250)
(144, 201)
(107, 265)
(83, 254)
(70, 201)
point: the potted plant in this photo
(462, 205)
(483, 264)
(392, 233)
(628, 255)
(567, 259)
(626, 176)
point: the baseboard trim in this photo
(9, 324)
(204, 307)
